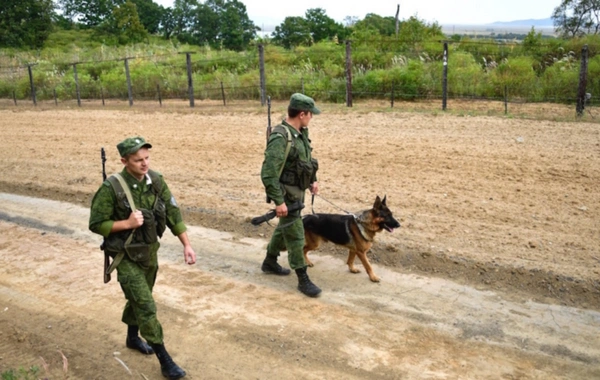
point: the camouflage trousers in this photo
(137, 283)
(289, 235)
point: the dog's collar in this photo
(361, 228)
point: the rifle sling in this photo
(117, 260)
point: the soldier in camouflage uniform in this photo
(286, 179)
(112, 217)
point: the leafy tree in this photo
(234, 28)
(574, 18)
(415, 30)
(323, 27)
(128, 25)
(150, 14)
(385, 26)
(293, 31)
(25, 23)
(90, 13)
(183, 20)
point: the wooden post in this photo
(397, 21)
(505, 99)
(55, 100)
(348, 74)
(159, 97)
(263, 80)
(14, 97)
(102, 94)
(129, 90)
(392, 94)
(188, 60)
(223, 94)
(32, 85)
(445, 78)
(582, 81)
(77, 93)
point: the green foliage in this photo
(465, 76)
(294, 31)
(21, 374)
(25, 23)
(518, 75)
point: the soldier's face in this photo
(305, 118)
(138, 163)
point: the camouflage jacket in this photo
(274, 156)
(104, 211)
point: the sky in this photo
(268, 13)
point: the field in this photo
(493, 274)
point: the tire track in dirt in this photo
(223, 318)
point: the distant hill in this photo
(546, 22)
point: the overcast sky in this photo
(447, 12)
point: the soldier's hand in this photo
(136, 219)
(314, 188)
(281, 210)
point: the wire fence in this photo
(333, 75)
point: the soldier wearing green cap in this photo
(131, 238)
(288, 170)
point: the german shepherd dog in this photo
(355, 232)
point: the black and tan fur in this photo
(355, 232)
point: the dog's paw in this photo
(374, 278)
(310, 263)
(354, 270)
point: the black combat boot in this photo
(270, 265)
(305, 285)
(134, 342)
(169, 369)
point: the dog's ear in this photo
(383, 201)
(377, 204)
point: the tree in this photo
(323, 27)
(293, 31)
(385, 26)
(25, 23)
(575, 18)
(415, 30)
(149, 14)
(90, 13)
(128, 25)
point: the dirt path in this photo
(494, 273)
(225, 319)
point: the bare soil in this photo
(493, 274)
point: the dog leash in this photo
(331, 203)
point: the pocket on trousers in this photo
(126, 286)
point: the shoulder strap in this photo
(121, 185)
(288, 135)
(156, 182)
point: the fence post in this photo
(505, 99)
(77, 93)
(14, 97)
(348, 74)
(392, 94)
(55, 100)
(263, 80)
(582, 81)
(32, 85)
(159, 97)
(188, 60)
(223, 93)
(445, 78)
(102, 95)
(129, 91)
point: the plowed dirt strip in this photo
(223, 318)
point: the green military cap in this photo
(304, 103)
(131, 145)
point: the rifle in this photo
(268, 130)
(258, 220)
(106, 257)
